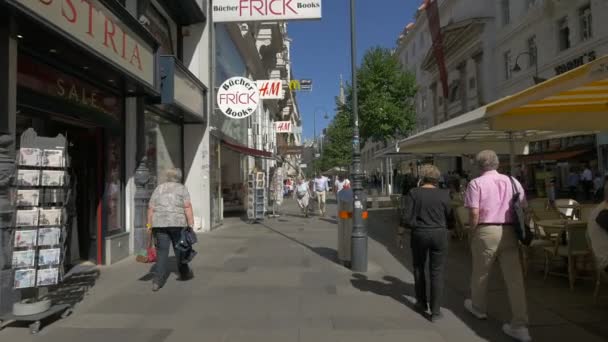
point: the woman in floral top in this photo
(169, 211)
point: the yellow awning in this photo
(574, 101)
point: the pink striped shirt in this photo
(491, 194)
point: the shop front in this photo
(79, 70)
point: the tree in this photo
(337, 151)
(385, 97)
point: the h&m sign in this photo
(283, 127)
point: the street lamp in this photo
(532, 54)
(359, 234)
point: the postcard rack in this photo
(39, 237)
(257, 198)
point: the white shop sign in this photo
(271, 89)
(238, 97)
(283, 126)
(92, 24)
(188, 94)
(265, 10)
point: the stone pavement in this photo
(279, 281)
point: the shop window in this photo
(586, 22)
(505, 7)
(113, 186)
(163, 147)
(563, 32)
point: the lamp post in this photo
(359, 234)
(532, 54)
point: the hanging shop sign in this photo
(283, 126)
(179, 87)
(300, 85)
(92, 24)
(238, 97)
(265, 10)
(271, 89)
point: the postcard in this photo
(25, 238)
(29, 198)
(29, 156)
(50, 217)
(25, 278)
(24, 258)
(47, 276)
(27, 218)
(53, 178)
(53, 158)
(49, 257)
(49, 236)
(28, 177)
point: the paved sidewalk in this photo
(278, 281)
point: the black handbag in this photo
(522, 230)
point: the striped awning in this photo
(576, 100)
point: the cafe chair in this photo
(538, 203)
(567, 212)
(584, 211)
(600, 273)
(539, 242)
(576, 247)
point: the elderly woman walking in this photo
(169, 212)
(429, 215)
(302, 194)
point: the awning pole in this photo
(512, 153)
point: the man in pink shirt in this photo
(493, 237)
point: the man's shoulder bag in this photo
(522, 230)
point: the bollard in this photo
(345, 225)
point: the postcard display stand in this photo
(256, 203)
(41, 219)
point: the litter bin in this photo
(345, 225)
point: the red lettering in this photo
(72, 9)
(275, 88)
(242, 6)
(258, 8)
(107, 33)
(46, 2)
(124, 44)
(136, 56)
(90, 31)
(270, 8)
(286, 6)
(264, 88)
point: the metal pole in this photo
(359, 235)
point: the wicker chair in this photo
(600, 273)
(576, 247)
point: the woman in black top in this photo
(429, 215)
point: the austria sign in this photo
(265, 10)
(238, 97)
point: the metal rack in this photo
(257, 197)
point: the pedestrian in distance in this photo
(302, 194)
(321, 187)
(587, 181)
(169, 213)
(429, 214)
(493, 237)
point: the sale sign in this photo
(265, 10)
(238, 97)
(283, 126)
(271, 89)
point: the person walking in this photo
(429, 213)
(320, 188)
(493, 237)
(587, 181)
(169, 212)
(573, 181)
(302, 194)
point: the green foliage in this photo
(386, 108)
(385, 97)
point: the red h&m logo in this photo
(271, 89)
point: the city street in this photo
(278, 281)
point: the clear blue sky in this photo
(321, 49)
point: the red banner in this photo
(432, 13)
